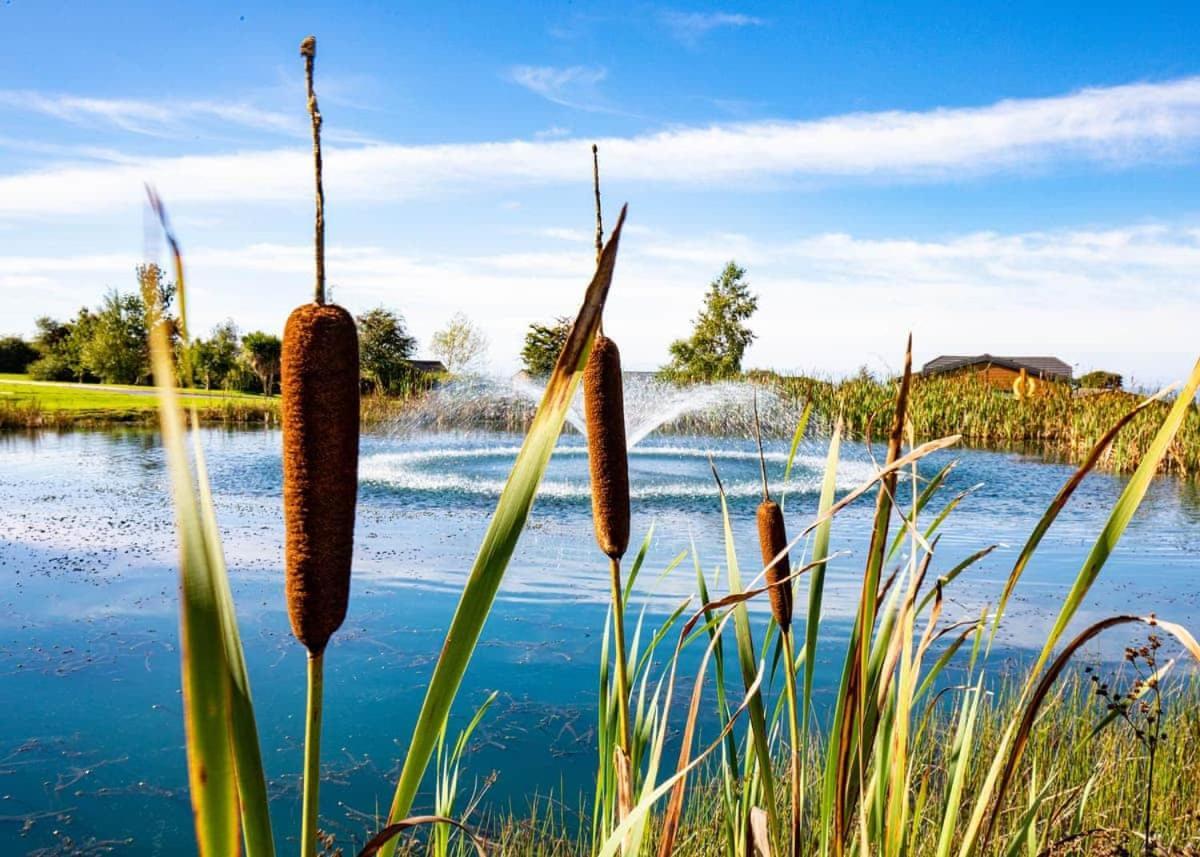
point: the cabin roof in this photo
(428, 366)
(1050, 368)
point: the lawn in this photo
(101, 402)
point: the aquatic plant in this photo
(1058, 422)
(608, 466)
(319, 416)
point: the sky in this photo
(1012, 178)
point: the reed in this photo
(608, 466)
(319, 416)
(1057, 423)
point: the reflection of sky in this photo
(88, 597)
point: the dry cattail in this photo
(772, 538)
(604, 407)
(319, 380)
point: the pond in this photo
(91, 740)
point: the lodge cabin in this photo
(1003, 373)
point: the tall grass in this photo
(1058, 422)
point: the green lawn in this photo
(100, 401)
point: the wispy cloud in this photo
(1113, 126)
(575, 86)
(691, 27)
(156, 119)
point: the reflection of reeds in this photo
(319, 415)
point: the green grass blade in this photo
(508, 521)
(801, 428)
(204, 666)
(750, 670)
(204, 592)
(1122, 513)
(816, 583)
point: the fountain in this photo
(460, 439)
(722, 409)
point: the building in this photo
(1001, 372)
(428, 367)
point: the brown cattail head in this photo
(604, 407)
(772, 537)
(319, 412)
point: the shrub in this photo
(16, 354)
(1101, 380)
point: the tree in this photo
(260, 352)
(16, 354)
(117, 351)
(57, 361)
(460, 344)
(1101, 380)
(720, 335)
(384, 348)
(543, 344)
(214, 359)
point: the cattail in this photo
(319, 413)
(772, 538)
(604, 407)
(319, 378)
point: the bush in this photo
(16, 354)
(52, 367)
(1101, 380)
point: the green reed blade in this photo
(508, 521)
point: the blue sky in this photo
(1013, 178)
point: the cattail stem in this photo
(596, 189)
(312, 754)
(308, 49)
(762, 461)
(789, 654)
(622, 668)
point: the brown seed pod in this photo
(604, 407)
(319, 412)
(772, 537)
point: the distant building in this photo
(428, 367)
(1000, 372)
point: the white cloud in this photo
(1117, 298)
(1118, 125)
(690, 27)
(574, 86)
(167, 118)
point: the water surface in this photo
(91, 744)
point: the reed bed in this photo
(1062, 750)
(1059, 423)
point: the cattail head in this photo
(319, 413)
(604, 407)
(772, 537)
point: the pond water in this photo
(91, 742)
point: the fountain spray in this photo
(319, 377)
(773, 540)
(608, 461)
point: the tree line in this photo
(110, 344)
